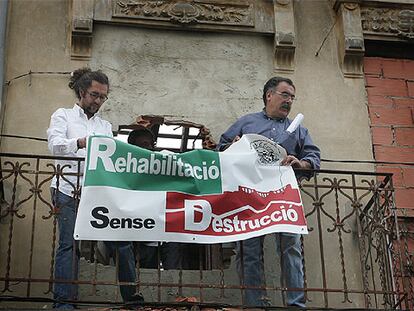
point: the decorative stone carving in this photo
(351, 40)
(388, 22)
(82, 25)
(284, 36)
(186, 12)
(406, 24)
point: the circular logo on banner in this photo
(268, 153)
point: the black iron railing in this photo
(356, 255)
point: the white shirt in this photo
(66, 126)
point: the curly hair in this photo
(81, 79)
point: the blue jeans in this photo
(126, 267)
(67, 254)
(289, 246)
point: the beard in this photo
(91, 109)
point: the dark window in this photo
(389, 49)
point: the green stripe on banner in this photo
(113, 163)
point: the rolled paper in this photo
(295, 123)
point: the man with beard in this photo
(272, 122)
(67, 136)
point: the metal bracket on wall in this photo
(285, 36)
(81, 30)
(350, 38)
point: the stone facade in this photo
(206, 62)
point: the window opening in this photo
(182, 136)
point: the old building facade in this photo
(206, 61)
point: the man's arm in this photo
(81, 142)
(58, 142)
(109, 129)
(230, 136)
(310, 152)
(309, 156)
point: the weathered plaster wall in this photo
(37, 41)
(208, 78)
(334, 107)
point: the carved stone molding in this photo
(264, 17)
(82, 26)
(388, 22)
(285, 36)
(239, 13)
(350, 39)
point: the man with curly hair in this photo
(67, 136)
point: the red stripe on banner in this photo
(232, 213)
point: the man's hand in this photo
(237, 138)
(82, 143)
(229, 144)
(294, 162)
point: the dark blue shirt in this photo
(298, 143)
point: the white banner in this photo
(199, 196)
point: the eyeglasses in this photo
(96, 95)
(286, 95)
